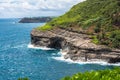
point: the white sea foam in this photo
(43, 48)
(62, 59)
(81, 62)
(19, 46)
(6, 47)
(63, 52)
(100, 62)
(13, 22)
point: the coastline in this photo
(38, 47)
(93, 61)
(69, 61)
(78, 45)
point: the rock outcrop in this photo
(78, 46)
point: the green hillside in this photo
(98, 17)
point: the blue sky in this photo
(34, 8)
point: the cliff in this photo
(98, 17)
(77, 46)
(36, 20)
(90, 30)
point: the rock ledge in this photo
(75, 45)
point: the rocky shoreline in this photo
(77, 46)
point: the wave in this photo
(19, 46)
(69, 61)
(91, 61)
(35, 47)
(99, 62)
(9, 46)
(13, 22)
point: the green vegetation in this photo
(23, 78)
(108, 74)
(95, 40)
(45, 27)
(101, 17)
(112, 39)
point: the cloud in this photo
(22, 8)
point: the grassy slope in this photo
(102, 16)
(113, 74)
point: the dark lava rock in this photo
(114, 60)
(57, 42)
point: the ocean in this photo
(18, 59)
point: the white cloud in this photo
(21, 8)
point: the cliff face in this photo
(48, 39)
(76, 46)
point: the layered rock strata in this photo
(77, 46)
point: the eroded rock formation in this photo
(77, 45)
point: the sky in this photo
(34, 8)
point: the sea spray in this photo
(99, 62)
(42, 47)
(81, 62)
(64, 52)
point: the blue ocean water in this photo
(17, 60)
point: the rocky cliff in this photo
(99, 18)
(77, 46)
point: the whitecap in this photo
(99, 62)
(54, 54)
(13, 22)
(43, 48)
(19, 46)
(81, 62)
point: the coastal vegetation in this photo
(107, 74)
(44, 28)
(100, 18)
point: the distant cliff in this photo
(36, 20)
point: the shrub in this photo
(95, 40)
(115, 38)
(107, 74)
(45, 27)
(111, 39)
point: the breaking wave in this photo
(43, 48)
